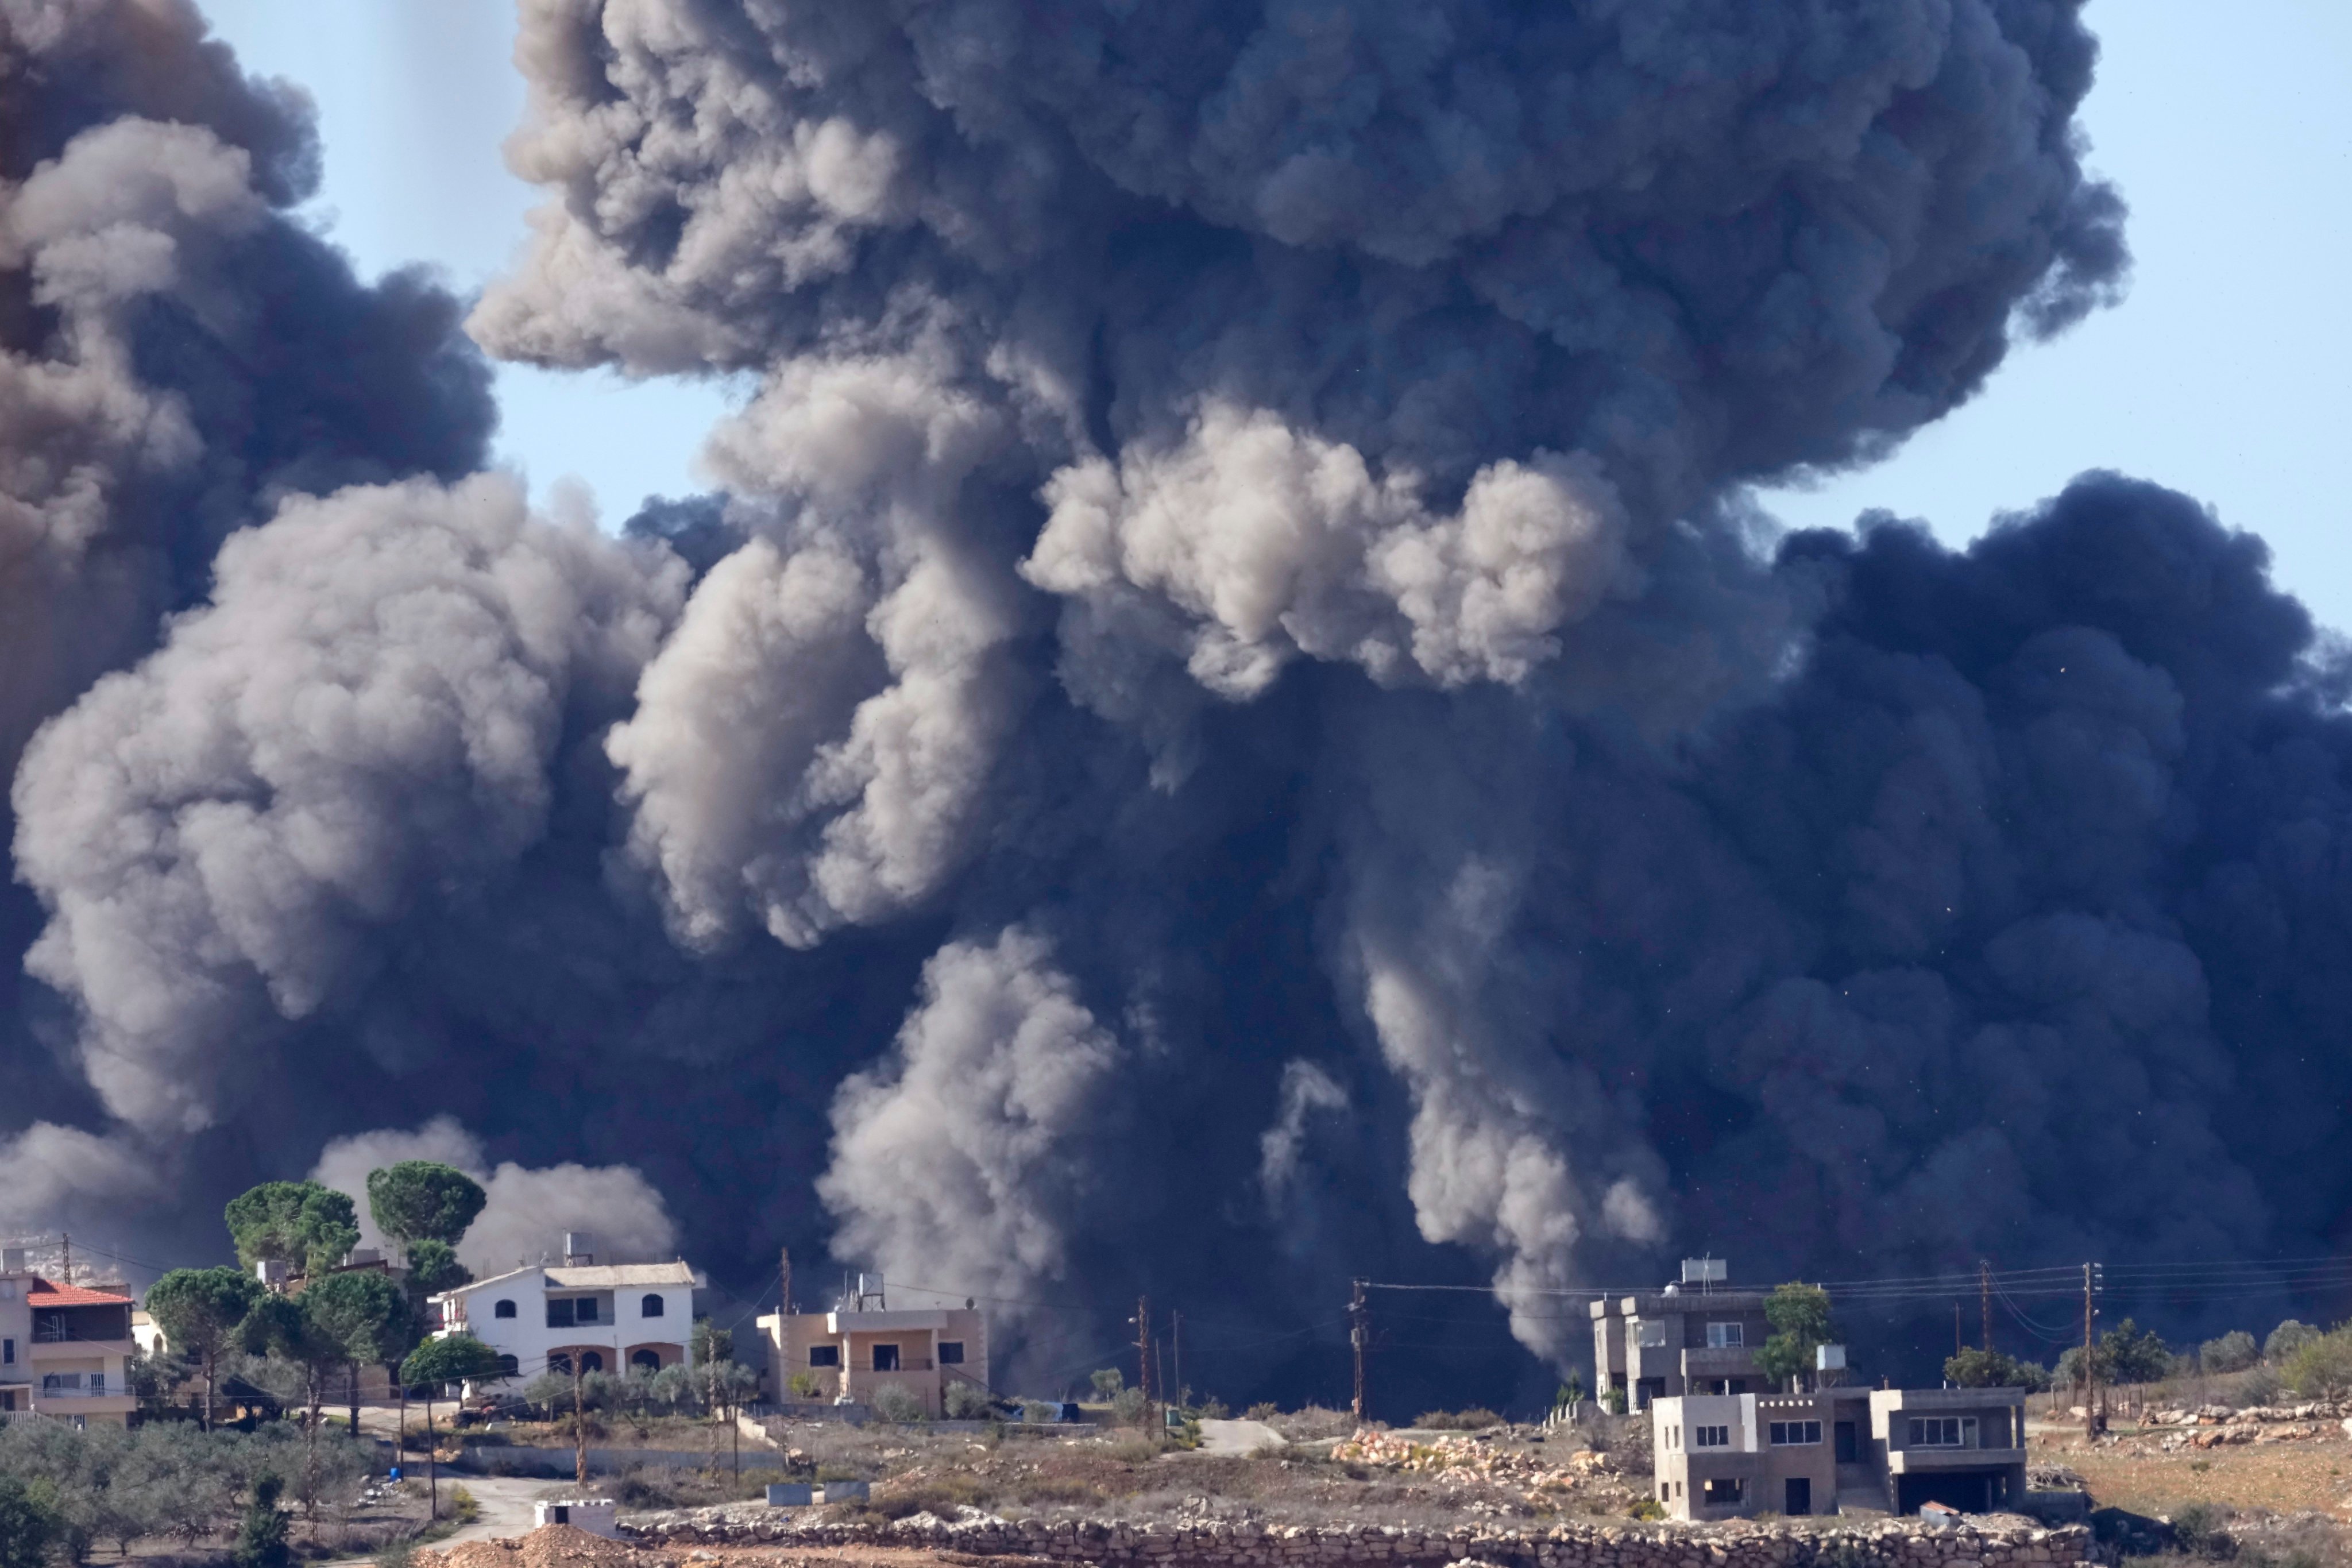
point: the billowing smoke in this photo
(1230, 726)
(526, 1214)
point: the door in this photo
(1845, 1444)
(1800, 1497)
(885, 1358)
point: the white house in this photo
(603, 1317)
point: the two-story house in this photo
(611, 1318)
(1729, 1455)
(848, 1356)
(1690, 1338)
(64, 1349)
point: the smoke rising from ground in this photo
(1229, 726)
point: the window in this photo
(1710, 1437)
(1724, 1491)
(7, 1352)
(950, 1353)
(651, 1307)
(58, 1382)
(650, 1361)
(560, 1313)
(885, 1358)
(507, 1365)
(1666, 1491)
(1650, 1336)
(590, 1362)
(503, 1310)
(586, 1309)
(560, 1364)
(1944, 1432)
(1724, 1337)
(824, 1355)
(1791, 1433)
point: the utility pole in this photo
(2090, 1367)
(1176, 1332)
(67, 1267)
(1359, 1333)
(1984, 1298)
(785, 1301)
(1956, 1346)
(1143, 1354)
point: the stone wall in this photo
(1886, 1544)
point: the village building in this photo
(1695, 1337)
(1894, 1450)
(64, 1349)
(610, 1317)
(850, 1354)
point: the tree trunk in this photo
(212, 1365)
(355, 1401)
(432, 1456)
(315, 1387)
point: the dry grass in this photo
(2311, 1475)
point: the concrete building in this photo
(1729, 1455)
(1695, 1337)
(848, 1355)
(611, 1318)
(64, 1349)
(16, 1335)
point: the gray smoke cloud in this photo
(526, 1213)
(1229, 726)
(361, 722)
(965, 1156)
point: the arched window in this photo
(590, 1362)
(649, 1360)
(508, 1366)
(503, 1310)
(559, 1363)
(651, 1307)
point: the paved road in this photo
(506, 1505)
(1238, 1436)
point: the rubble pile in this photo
(1461, 1461)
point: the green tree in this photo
(308, 1228)
(452, 1358)
(1107, 1382)
(2133, 1356)
(432, 1268)
(284, 1328)
(1991, 1369)
(262, 1534)
(367, 1316)
(2321, 1366)
(2286, 1340)
(2233, 1352)
(199, 1310)
(1800, 1316)
(30, 1521)
(419, 1200)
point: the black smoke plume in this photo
(1230, 726)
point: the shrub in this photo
(2321, 1367)
(1477, 1418)
(2286, 1340)
(810, 1385)
(1127, 1406)
(1991, 1369)
(262, 1534)
(463, 1507)
(1646, 1508)
(1264, 1410)
(1108, 1384)
(1041, 1410)
(966, 1402)
(898, 1404)
(2233, 1352)
(2199, 1530)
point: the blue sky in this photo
(2226, 373)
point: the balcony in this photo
(1918, 1461)
(906, 1363)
